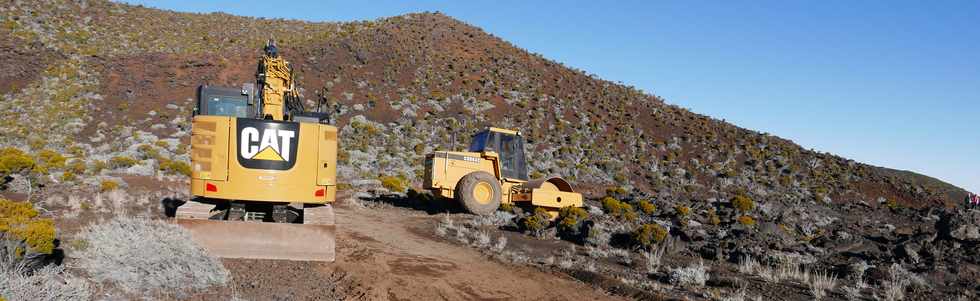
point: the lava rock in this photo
(962, 225)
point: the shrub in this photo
(682, 211)
(570, 220)
(694, 275)
(122, 162)
(47, 160)
(68, 176)
(175, 167)
(892, 204)
(612, 206)
(598, 236)
(99, 166)
(162, 144)
(746, 220)
(742, 202)
(49, 283)
(628, 213)
(76, 151)
(148, 152)
(148, 257)
(647, 207)
(713, 217)
(616, 192)
(77, 167)
(537, 222)
(108, 185)
(394, 184)
(649, 234)
(14, 161)
(506, 207)
(19, 222)
(618, 209)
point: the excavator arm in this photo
(277, 88)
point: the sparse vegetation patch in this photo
(148, 258)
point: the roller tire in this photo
(466, 197)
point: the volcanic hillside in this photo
(109, 86)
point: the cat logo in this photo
(267, 144)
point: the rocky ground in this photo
(402, 246)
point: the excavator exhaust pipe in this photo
(313, 240)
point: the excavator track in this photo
(311, 240)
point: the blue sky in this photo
(890, 83)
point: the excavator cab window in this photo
(222, 101)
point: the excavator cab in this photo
(225, 101)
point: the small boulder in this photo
(962, 225)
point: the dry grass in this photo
(148, 258)
(49, 283)
(653, 258)
(820, 283)
(694, 275)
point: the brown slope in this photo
(588, 129)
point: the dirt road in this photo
(388, 254)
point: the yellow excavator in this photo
(263, 170)
(491, 172)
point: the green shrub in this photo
(713, 217)
(616, 192)
(616, 208)
(570, 220)
(76, 151)
(892, 204)
(344, 186)
(108, 185)
(147, 151)
(612, 206)
(820, 192)
(647, 207)
(175, 167)
(506, 207)
(628, 213)
(742, 202)
(162, 144)
(14, 161)
(122, 162)
(682, 211)
(36, 143)
(19, 221)
(394, 184)
(77, 166)
(47, 160)
(99, 166)
(649, 234)
(537, 222)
